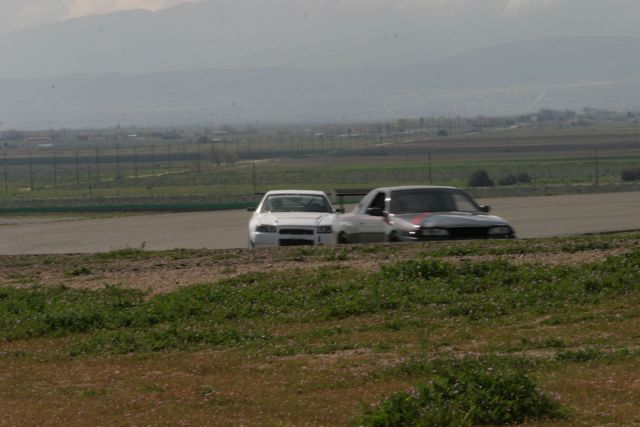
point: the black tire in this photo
(342, 238)
(392, 237)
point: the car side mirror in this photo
(485, 208)
(375, 212)
(251, 209)
(339, 210)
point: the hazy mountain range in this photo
(195, 65)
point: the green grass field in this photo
(539, 332)
(232, 181)
(551, 156)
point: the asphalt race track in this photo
(531, 216)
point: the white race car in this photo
(292, 218)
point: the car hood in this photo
(295, 218)
(450, 219)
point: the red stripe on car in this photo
(417, 220)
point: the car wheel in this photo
(342, 238)
(392, 237)
(251, 245)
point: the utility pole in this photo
(198, 156)
(213, 155)
(6, 173)
(30, 171)
(595, 156)
(89, 177)
(429, 163)
(77, 169)
(117, 161)
(135, 162)
(254, 177)
(153, 160)
(184, 156)
(97, 166)
(55, 169)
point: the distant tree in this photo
(443, 132)
(630, 174)
(480, 179)
(229, 157)
(523, 177)
(402, 123)
(548, 115)
(596, 114)
(507, 180)
(221, 156)
(216, 156)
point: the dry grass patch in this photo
(202, 388)
(310, 343)
(598, 392)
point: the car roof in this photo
(416, 187)
(311, 192)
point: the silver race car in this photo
(419, 213)
(292, 218)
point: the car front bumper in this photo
(454, 234)
(277, 239)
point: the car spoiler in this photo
(349, 192)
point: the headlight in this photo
(431, 232)
(324, 229)
(266, 229)
(499, 231)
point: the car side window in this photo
(364, 203)
(378, 201)
(463, 204)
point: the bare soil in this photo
(169, 270)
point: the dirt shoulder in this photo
(164, 271)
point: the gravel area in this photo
(167, 271)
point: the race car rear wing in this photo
(350, 192)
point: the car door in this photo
(372, 222)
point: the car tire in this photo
(342, 238)
(392, 237)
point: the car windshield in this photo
(296, 203)
(426, 200)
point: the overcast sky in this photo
(18, 14)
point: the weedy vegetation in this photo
(464, 393)
(423, 341)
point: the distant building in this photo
(39, 139)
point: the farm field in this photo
(555, 160)
(322, 336)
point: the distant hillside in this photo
(317, 34)
(541, 61)
(508, 79)
(218, 34)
